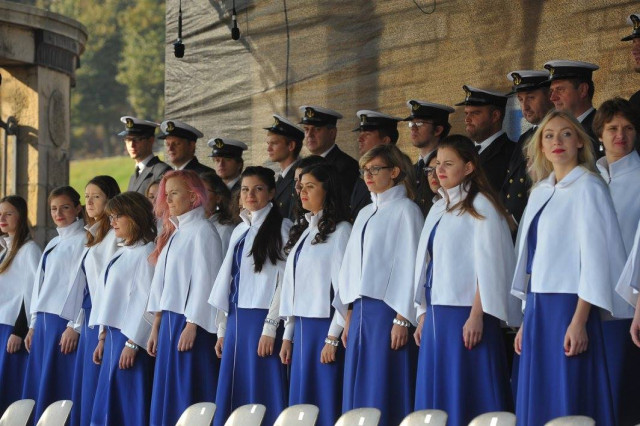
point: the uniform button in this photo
(510, 180)
(508, 195)
(519, 195)
(521, 180)
(280, 204)
(508, 171)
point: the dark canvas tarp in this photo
(374, 54)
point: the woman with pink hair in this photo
(188, 255)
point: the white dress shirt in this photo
(316, 273)
(185, 269)
(56, 291)
(469, 254)
(579, 246)
(125, 293)
(16, 283)
(257, 290)
(383, 267)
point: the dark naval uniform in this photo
(197, 166)
(153, 170)
(286, 195)
(228, 148)
(515, 190)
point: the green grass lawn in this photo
(81, 171)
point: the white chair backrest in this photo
(298, 415)
(56, 414)
(18, 413)
(572, 421)
(360, 417)
(247, 415)
(497, 418)
(200, 414)
(426, 417)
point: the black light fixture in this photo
(178, 47)
(235, 31)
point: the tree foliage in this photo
(122, 69)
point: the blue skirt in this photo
(85, 375)
(49, 376)
(246, 378)
(464, 383)
(12, 370)
(311, 381)
(123, 397)
(182, 378)
(623, 364)
(374, 374)
(550, 384)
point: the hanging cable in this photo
(286, 78)
(178, 47)
(235, 31)
(433, 9)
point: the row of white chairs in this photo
(201, 414)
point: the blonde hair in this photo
(393, 157)
(539, 166)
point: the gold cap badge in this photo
(170, 126)
(219, 143)
(129, 123)
(517, 80)
(309, 112)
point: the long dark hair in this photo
(110, 187)
(217, 185)
(268, 241)
(311, 160)
(475, 182)
(23, 233)
(334, 210)
(139, 209)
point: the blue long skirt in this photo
(12, 370)
(550, 384)
(246, 378)
(311, 381)
(49, 376)
(182, 378)
(85, 375)
(374, 374)
(123, 397)
(464, 383)
(623, 365)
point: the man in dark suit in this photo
(180, 142)
(139, 138)
(572, 91)
(634, 37)
(228, 162)
(320, 133)
(375, 129)
(483, 115)
(429, 124)
(532, 90)
(284, 142)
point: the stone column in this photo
(39, 53)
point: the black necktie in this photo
(478, 148)
(137, 171)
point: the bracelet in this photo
(271, 322)
(331, 342)
(132, 346)
(402, 323)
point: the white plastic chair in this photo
(200, 414)
(56, 414)
(298, 415)
(496, 418)
(426, 417)
(18, 413)
(572, 421)
(247, 415)
(360, 417)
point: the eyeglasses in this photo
(418, 124)
(373, 170)
(429, 171)
(113, 217)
